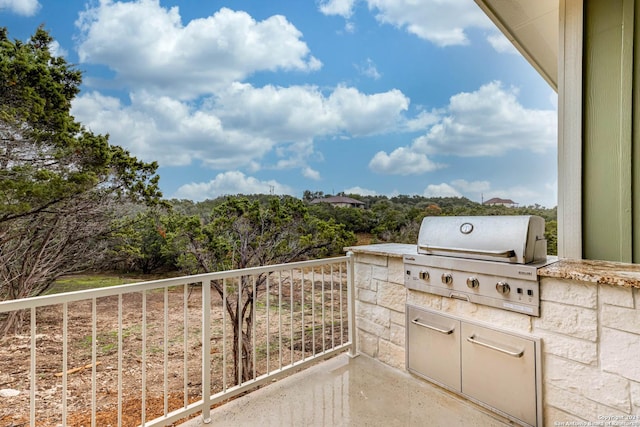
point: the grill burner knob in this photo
(472, 282)
(447, 278)
(424, 275)
(503, 288)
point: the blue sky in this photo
(250, 96)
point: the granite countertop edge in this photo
(593, 271)
(395, 250)
(589, 271)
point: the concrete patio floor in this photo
(347, 391)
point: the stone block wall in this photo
(380, 307)
(591, 345)
(590, 337)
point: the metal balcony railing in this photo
(158, 352)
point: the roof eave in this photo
(532, 44)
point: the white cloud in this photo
(361, 191)
(368, 69)
(302, 112)
(20, 7)
(443, 23)
(471, 187)
(481, 190)
(149, 47)
(422, 121)
(440, 22)
(501, 44)
(474, 190)
(167, 130)
(241, 125)
(491, 122)
(288, 114)
(441, 190)
(553, 99)
(231, 182)
(296, 155)
(363, 114)
(56, 50)
(551, 195)
(342, 8)
(487, 122)
(402, 161)
(307, 172)
(350, 27)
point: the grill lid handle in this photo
(509, 253)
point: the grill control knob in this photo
(472, 282)
(503, 288)
(447, 278)
(424, 275)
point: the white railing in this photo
(157, 352)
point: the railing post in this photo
(32, 370)
(206, 351)
(351, 304)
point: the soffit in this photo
(533, 28)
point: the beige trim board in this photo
(570, 129)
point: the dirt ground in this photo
(300, 333)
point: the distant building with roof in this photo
(340, 201)
(501, 202)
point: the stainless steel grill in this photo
(490, 260)
(510, 239)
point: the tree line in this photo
(222, 233)
(398, 218)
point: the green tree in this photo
(242, 233)
(309, 195)
(138, 244)
(551, 234)
(390, 218)
(60, 185)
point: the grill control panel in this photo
(513, 287)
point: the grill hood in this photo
(512, 239)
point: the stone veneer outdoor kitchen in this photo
(589, 325)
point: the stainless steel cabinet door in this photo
(499, 369)
(433, 347)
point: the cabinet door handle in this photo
(472, 339)
(416, 321)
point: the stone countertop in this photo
(600, 272)
(596, 272)
(385, 249)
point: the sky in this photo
(374, 97)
